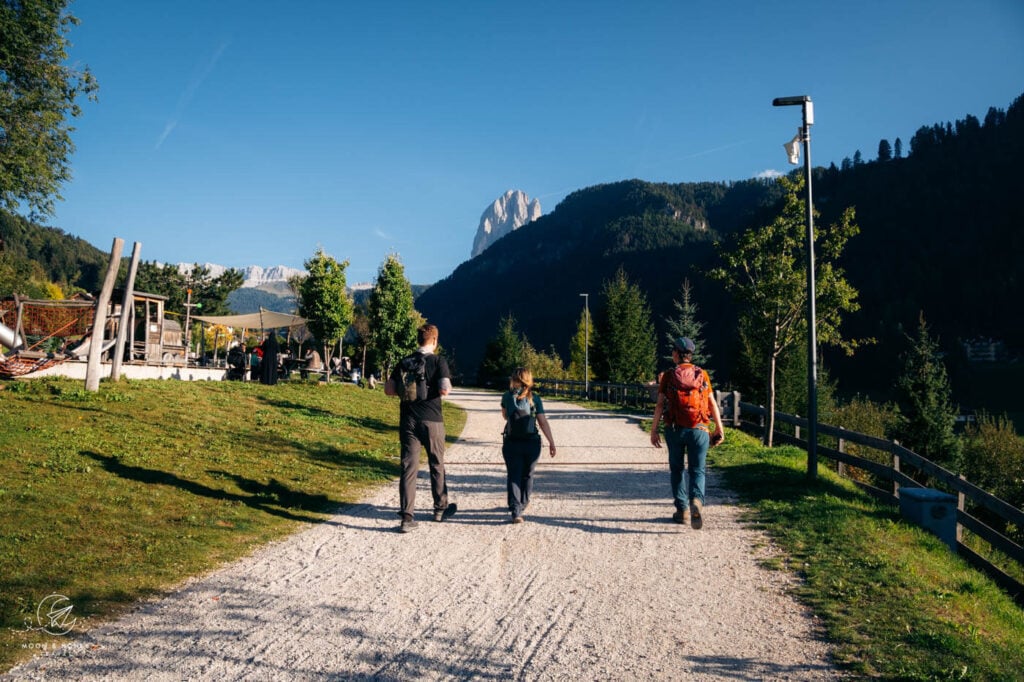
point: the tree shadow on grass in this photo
(369, 423)
(266, 497)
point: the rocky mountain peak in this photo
(255, 275)
(509, 212)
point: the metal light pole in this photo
(586, 345)
(812, 332)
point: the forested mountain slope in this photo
(942, 231)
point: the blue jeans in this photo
(687, 450)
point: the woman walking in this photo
(523, 411)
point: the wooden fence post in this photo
(896, 468)
(842, 448)
(796, 428)
(736, 409)
(960, 500)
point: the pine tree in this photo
(628, 344)
(927, 415)
(505, 351)
(898, 148)
(685, 323)
(392, 319)
(884, 151)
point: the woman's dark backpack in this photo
(522, 420)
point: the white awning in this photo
(264, 319)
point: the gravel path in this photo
(597, 585)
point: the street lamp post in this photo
(586, 344)
(812, 333)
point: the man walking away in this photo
(687, 403)
(420, 380)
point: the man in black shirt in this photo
(420, 380)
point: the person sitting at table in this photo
(313, 362)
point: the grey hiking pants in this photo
(429, 435)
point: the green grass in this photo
(113, 496)
(893, 599)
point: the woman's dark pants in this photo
(520, 460)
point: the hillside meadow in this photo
(118, 495)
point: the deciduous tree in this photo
(39, 95)
(391, 316)
(325, 303)
(579, 357)
(766, 272)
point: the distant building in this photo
(985, 350)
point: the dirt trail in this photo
(597, 585)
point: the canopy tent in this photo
(264, 319)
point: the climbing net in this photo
(43, 320)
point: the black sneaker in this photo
(408, 525)
(448, 512)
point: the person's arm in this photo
(659, 407)
(542, 421)
(716, 415)
(444, 384)
(389, 386)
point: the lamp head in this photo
(790, 101)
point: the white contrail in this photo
(190, 91)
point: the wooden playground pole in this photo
(99, 322)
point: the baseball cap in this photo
(684, 345)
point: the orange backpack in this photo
(687, 392)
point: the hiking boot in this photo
(408, 525)
(517, 519)
(447, 513)
(681, 516)
(696, 510)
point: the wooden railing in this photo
(751, 417)
(634, 395)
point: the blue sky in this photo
(246, 132)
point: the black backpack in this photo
(522, 420)
(412, 378)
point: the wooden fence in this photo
(634, 395)
(751, 418)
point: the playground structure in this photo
(37, 335)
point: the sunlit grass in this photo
(121, 494)
(894, 600)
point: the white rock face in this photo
(509, 212)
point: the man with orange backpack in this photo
(687, 404)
